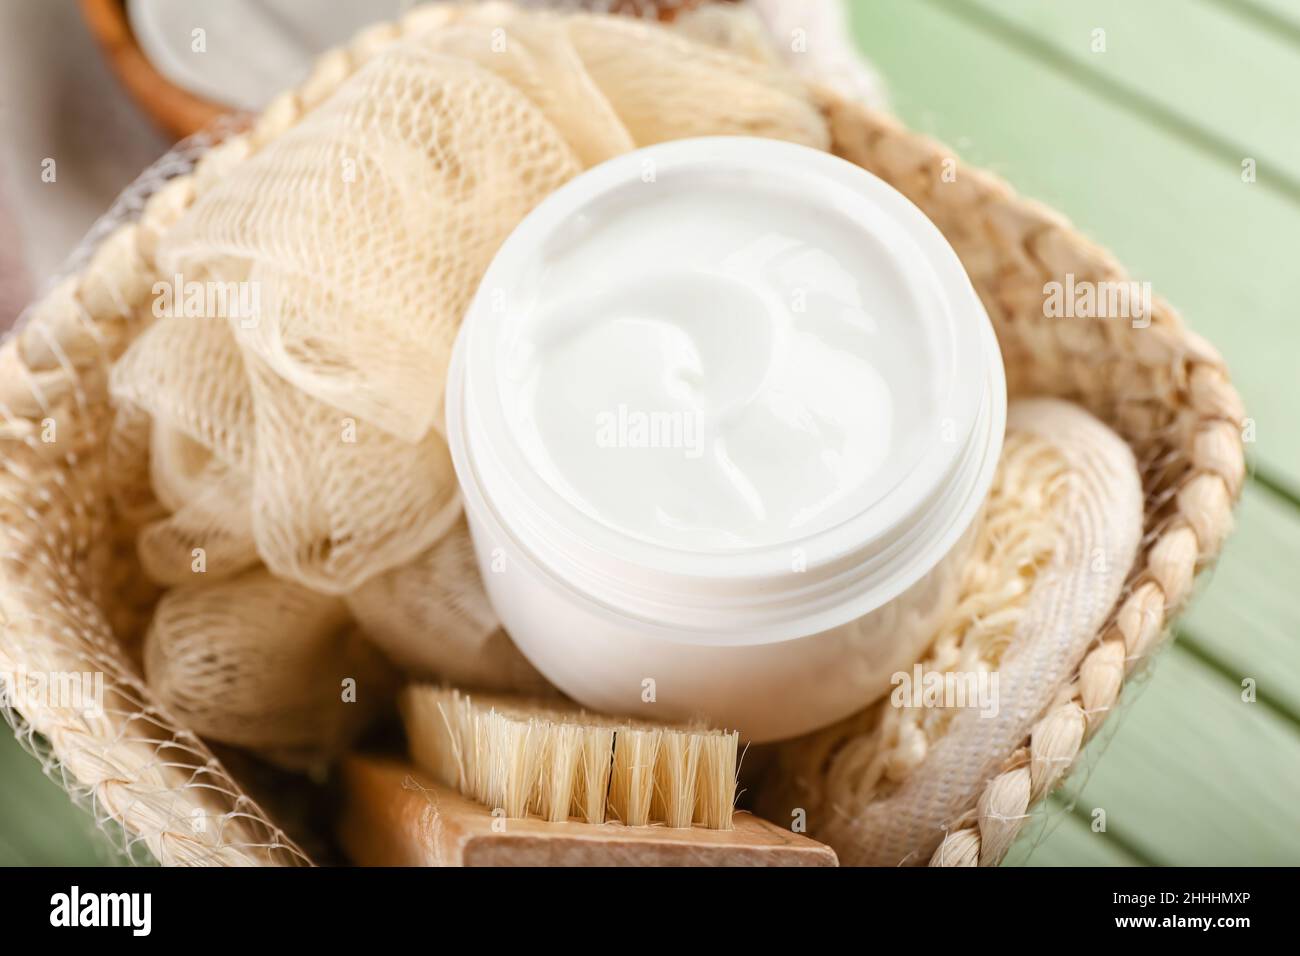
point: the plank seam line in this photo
(1010, 35)
(1120, 842)
(1278, 487)
(1188, 642)
(1261, 17)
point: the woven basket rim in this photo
(1185, 531)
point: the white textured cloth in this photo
(1062, 530)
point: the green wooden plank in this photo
(1281, 17)
(40, 826)
(1059, 837)
(1247, 620)
(1181, 62)
(1222, 250)
(1195, 775)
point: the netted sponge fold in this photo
(431, 617)
(261, 662)
(366, 227)
(359, 236)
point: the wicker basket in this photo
(71, 594)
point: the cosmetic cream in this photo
(723, 412)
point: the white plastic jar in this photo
(723, 413)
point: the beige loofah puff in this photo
(432, 618)
(667, 86)
(210, 529)
(336, 499)
(259, 662)
(185, 418)
(365, 228)
(304, 431)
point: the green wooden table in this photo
(1135, 120)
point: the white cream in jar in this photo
(708, 371)
(723, 412)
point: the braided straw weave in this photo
(70, 593)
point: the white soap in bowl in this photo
(723, 412)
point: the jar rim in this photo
(698, 588)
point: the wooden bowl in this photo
(182, 113)
(177, 111)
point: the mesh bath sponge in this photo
(185, 417)
(432, 617)
(361, 233)
(295, 444)
(188, 374)
(256, 661)
(366, 227)
(664, 85)
(209, 531)
(337, 499)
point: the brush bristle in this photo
(529, 758)
(677, 777)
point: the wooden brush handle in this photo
(394, 816)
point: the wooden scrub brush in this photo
(503, 781)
